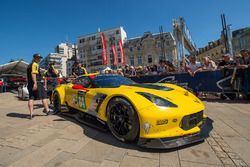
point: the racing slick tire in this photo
(57, 102)
(123, 120)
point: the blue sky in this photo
(30, 26)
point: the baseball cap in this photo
(244, 50)
(226, 55)
(37, 55)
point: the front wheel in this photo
(57, 102)
(123, 120)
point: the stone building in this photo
(241, 40)
(150, 49)
(215, 50)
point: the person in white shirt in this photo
(194, 66)
(208, 64)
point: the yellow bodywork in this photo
(147, 111)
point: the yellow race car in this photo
(153, 115)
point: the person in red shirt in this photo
(1, 85)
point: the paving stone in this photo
(6, 153)
(240, 146)
(77, 162)
(193, 164)
(227, 161)
(107, 163)
(200, 153)
(169, 159)
(78, 145)
(59, 159)
(116, 154)
(7, 131)
(223, 129)
(46, 140)
(93, 151)
(9, 155)
(233, 156)
(72, 132)
(138, 153)
(130, 161)
(25, 140)
(239, 162)
(211, 141)
(217, 149)
(221, 154)
(44, 154)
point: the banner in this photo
(207, 81)
(104, 50)
(115, 55)
(122, 53)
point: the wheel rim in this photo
(120, 119)
(56, 103)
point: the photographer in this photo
(51, 79)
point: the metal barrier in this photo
(219, 81)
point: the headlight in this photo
(157, 100)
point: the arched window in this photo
(139, 60)
(150, 60)
(132, 60)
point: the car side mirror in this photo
(79, 87)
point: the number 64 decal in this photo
(81, 99)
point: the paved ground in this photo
(56, 141)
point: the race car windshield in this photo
(111, 81)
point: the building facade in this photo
(241, 40)
(58, 59)
(150, 49)
(90, 48)
(214, 50)
(70, 50)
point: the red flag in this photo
(104, 50)
(115, 55)
(122, 53)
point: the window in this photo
(131, 49)
(139, 60)
(158, 45)
(93, 37)
(150, 60)
(132, 61)
(61, 50)
(117, 32)
(99, 46)
(82, 40)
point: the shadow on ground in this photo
(23, 116)
(106, 137)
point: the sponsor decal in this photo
(162, 122)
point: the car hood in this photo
(181, 97)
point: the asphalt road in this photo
(59, 141)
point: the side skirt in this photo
(87, 119)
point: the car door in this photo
(77, 94)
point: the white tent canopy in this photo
(15, 67)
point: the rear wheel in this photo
(122, 120)
(57, 102)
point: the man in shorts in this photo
(35, 86)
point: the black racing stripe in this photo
(156, 87)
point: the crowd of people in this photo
(189, 65)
